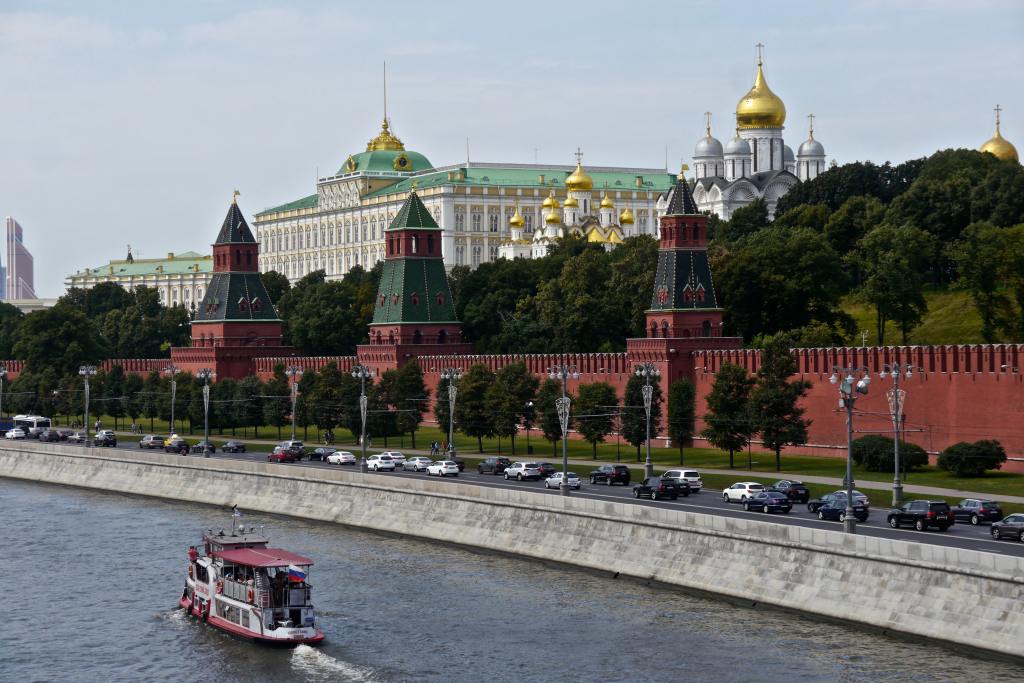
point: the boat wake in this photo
(176, 615)
(317, 664)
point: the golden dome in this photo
(571, 202)
(517, 220)
(552, 217)
(579, 180)
(385, 141)
(606, 202)
(626, 217)
(1000, 147)
(760, 107)
(550, 202)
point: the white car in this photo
(690, 476)
(555, 480)
(379, 461)
(417, 464)
(16, 433)
(397, 457)
(741, 491)
(341, 458)
(443, 468)
(522, 470)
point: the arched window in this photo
(417, 337)
(664, 328)
(705, 328)
(442, 337)
(654, 329)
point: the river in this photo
(93, 580)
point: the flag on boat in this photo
(235, 512)
(296, 573)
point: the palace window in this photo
(478, 220)
(493, 220)
(477, 253)
(529, 221)
(460, 219)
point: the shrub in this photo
(874, 453)
(966, 459)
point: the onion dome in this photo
(606, 202)
(552, 217)
(550, 202)
(626, 217)
(737, 146)
(579, 180)
(517, 220)
(787, 155)
(386, 140)
(760, 107)
(811, 148)
(571, 202)
(998, 145)
(707, 146)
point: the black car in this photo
(49, 435)
(233, 447)
(660, 487)
(768, 501)
(1010, 527)
(105, 438)
(610, 474)
(457, 460)
(794, 490)
(975, 511)
(321, 453)
(177, 445)
(492, 465)
(922, 514)
(198, 448)
(546, 469)
(833, 507)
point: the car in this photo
(16, 433)
(858, 498)
(833, 507)
(793, 489)
(458, 461)
(443, 468)
(976, 511)
(661, 487)
(49, 435)
(417, 464)
(296, 448)
(555, 480)
(280, 454)
(1011, 526)
(611, 474)
(64, 433)
(692, 477)
(522, 470)
(176, 445)
(105, 437)
(78, 437)
(493, 465)
(546, 469)
(321, 453)
(233, 447)
(198, 447)
(741, 491)
(397, 457)
(922, 514)
(768, 501)
(151, 441)
(379, 461)
(341, 458)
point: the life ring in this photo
(220, 586)
(250, 595)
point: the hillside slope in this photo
(951, 319)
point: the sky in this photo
(132, 122)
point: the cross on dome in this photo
(579, 156)
(997, 110)
(707, 123)
(760, 53)
(810, 117)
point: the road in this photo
(708, 502)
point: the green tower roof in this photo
(413, 214)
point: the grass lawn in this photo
(951, 319)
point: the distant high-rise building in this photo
(20, 281)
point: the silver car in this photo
(416, 464)
(555, 480)
(522, 470)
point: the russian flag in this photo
(296, 574)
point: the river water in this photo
(93, 580)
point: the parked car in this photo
(321, 453)
(397, 457)
(522, 470)
(233, 447)
(1011, 526)
(741, 491)
(417, 464)
(151, 441)
(492, 465)
(281, 454)
(768, 501)
(610, 474)
(975, 511)
(105, 437)
(555, 480)
(64, 433)
(858, 498)
(443, 468)
(379, 461)
(341, 458)
(78, 437)
(833, 507)
(692, 477)
(198, 448)
(660, 487)
(176, 445)
(922, 514)
(792, 489)
(49, 435)
(16, 433)
(546, 469)
(296, 448)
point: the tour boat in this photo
(237, 584)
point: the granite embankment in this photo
(962, 596)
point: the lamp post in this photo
(87, 371)
(648, 370)
(362, 373)
(562, 405)
(453, 375)
(294, 374)
(849, 387)
(205, 374)
(173, 371)
(3, 374)
(528, 415)
(896, 398)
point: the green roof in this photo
(385, 160)
(304, 203)
(186, 262)
(413, 215)
(414, 290)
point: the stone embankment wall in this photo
(962, 596)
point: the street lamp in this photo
(3, 374)
(205, 374)
(562, 405)
(173, 371)
(362, 373)
(896, 398)
(453, 375)
(294, 374)
(849, 387)
(528, 419)
(648, 370)
(87, 371)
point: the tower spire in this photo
(810, 117)
(385, 92)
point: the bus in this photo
(32, 424)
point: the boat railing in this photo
(238, 591)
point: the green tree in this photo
(471, 407)
(852, 221)
(728, 419)
(576, 310)
(114, 394)
(774, 400)
(442, 407)
(513, 388)
(594, 412)
(634, 418)
(277, 285)
(682, 413)
(305, 408)
(990, 261)
(877, 453)
(150, 397)
(972, 459)
(10, 318)
(814, 216)
(250, 403)
(133, 388)
(326, 399)
(277, 407)
(223, 399)
(547, 412)
(412, 397)
(745, 221)
(893, 261)
(60, 338)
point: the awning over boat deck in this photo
(262, 557)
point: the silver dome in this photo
(737, 146)
(707, 147)
(811, 148)
(787, 154)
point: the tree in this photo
(745, 221)
(682, 413)
(773, 402)
(326, 399)
(471, 407)
(250, 403)
(547, 412)
(575, 309)
(10, 318)
(442, 408)
(514, 387)
(114, 394)
(412, 397)
(277, 407)
(223, 398)
(305, 408)
(893, 261)
(328, 317)
(972, 459)
(990, 261)
(133, 388)
(876, 453)
(852, 221)
(634, 417)
(150, 397)
(276, 284)
(60, 338)
(594, 412)
(728, 417)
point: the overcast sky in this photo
(131, 122)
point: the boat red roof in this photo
(262, 557)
